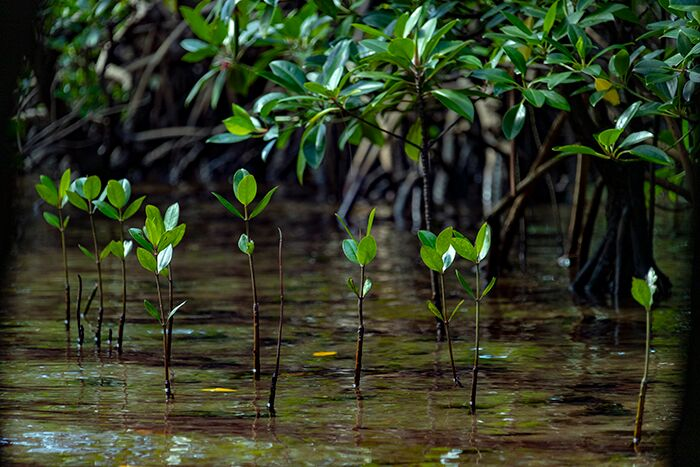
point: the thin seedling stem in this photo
(163, 318)
(475, 369)
(256, 305)
(275, 374)
(66, 285)
(170, 321)
(122, 318)
(81, 334)
(98, 264)
(90, 299)
(360, 329)
(447, 330)
(642, 387)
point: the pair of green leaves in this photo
(434, 310)
(119, 249)
(475, 296)
(153, 311)
(47, 190)
(158, 238)
(477, 251)
(118, 194)
(360, 252)
(437, 251)
(245, 189)
(84, 190)
(367, 286)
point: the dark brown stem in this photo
(98, 265)
(642, 388)
(445, 319)
(256, 305)
(122, 318)
(93, 292)
(77, 311)
(360, 329)
(163, 322)
(275, 374)
(66, 284)
(475, 369)
(171, 289)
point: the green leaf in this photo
(366, 250)
(351, 285)
(549, 18)
(117, 248)
(230, 207)
(48, 195)
(126, 247)
(578, 149)
(483, 242)
(137, 234)
(556, 100)
(443, 240)
(116, 194)
(427, 238)
(415, 136)
(146, 259)
(197, 23)
(651, 154)
(345, 226)
(154, 224)
(334, 66)
(608, 138)
(227, 138)
(635, 138)
(86, 252)
(433, 309)
(402, 48)
(133, 207)
(164, 258)
(239, 126)
(65, 221)
(488, 288)
(290, 74)
(455, 310)
(64, 184)
(52, 220)
(517, 58)
(350, 248)
(246, 190)
(641, 292)
(263, 203)
(172, 237)
(535, 97)
(172, 216)
(514, 120)
(370, 221)
(92, 187)
(107, 209)
(465, 285)
(313, 145)
(431, 258)
(237, 177)
(456, 101)
(106, 250)
(627, 115)
(464, 248)
(621, 62)
(448, 258)
(367, 287)
(151, 310)
(370, 30)
(175, 310)
(245, 244)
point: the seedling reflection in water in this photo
(360, 251)
(245, 188)
(643, 292)
(56, 197)
(438, 254)
(155, 254)
(474, 253)
(83, 194)
(115, 207)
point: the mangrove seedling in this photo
(82, 194)
(155, 253)
(474, 253)
(245, 188)
(56, 197)
(360, 251)
(275, 374)
(170, 220)
(117, 207)
(643, 292)
(438, 254)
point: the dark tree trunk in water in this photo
(625, 251)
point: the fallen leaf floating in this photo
(325, 354)
(218, 390)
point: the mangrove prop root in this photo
(275, 374)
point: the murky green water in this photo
(558, 382)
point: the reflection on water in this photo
(558, 382)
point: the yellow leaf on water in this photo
(218, 390)
(324, 354)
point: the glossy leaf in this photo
(443, 240)
(448, 258)
(351, 285)
(366, 287)
(433, 309)
(47, 194)
(246, 190)
(455, 310)
(370, 221)
(465, 248)
(146, 259)
(64, 184)
(514, 120)
(427, 238)
(230, 207)
(366, 250)
(456, 101)
(415, 136)
(313, 145)
(138, 236)
(635, 138)
(92, 187)
(133, 207)
(116, 194)
(151, 310)
(651, 154)
(52, 220)
(431, 258)
(107, 209)
(488, 288)
(263, 203)
(86, 252)
(175, 310)
(627, 115)
(465, 285)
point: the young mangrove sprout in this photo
(275, 375)
(474, 253)
(438, 254)
(82, 194)
(155, 253)
(245, 188)
(56, 197)
(170, 221)
(360, 251)
(643, 292)
(115, 208)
